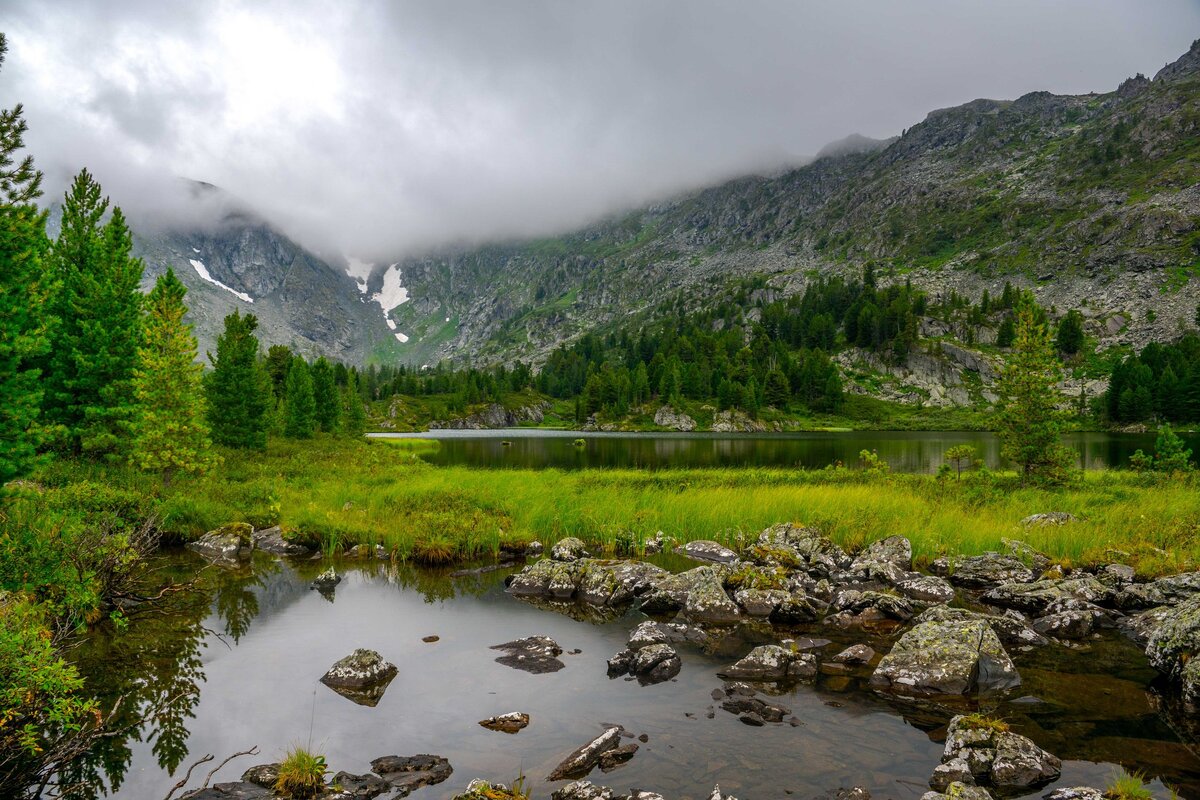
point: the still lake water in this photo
(905, 451)
(237, 664)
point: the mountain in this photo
(234, 259)
(1091, 201)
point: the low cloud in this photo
(382, 129)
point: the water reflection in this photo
(236, 663)
(905, 451)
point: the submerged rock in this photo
(582, 760)
(511, 722)
(406, 774)
(614, 758)
(362, 676)
(229, 543)
(536, 654)
(947, 655)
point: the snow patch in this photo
(359, 270)
(391, 322)
(202, 271)
(400, 336)
(195, 250)
(393, 293)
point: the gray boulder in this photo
(229, 543)
(894, 550)
(406, 774)
(651, 632)
(270, 540)
(582, 790)
(925, 588)
(327, 581)
(568, 549)
(581, 761)
(535, 654)
(855, 655)
(358, 787)
(363, 676)
(983, 572)
(1167, 591)
(1034, 598)
(760, 602)
(614, 583)
(770, 662)
(1048, 518)
(947, 656)
(707, 550)
(1174, 644)
(978, 752)
(959, 791)
(815, 552)
(707, 602)
(651, 664)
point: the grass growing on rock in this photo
(301, 774)
(337, 493)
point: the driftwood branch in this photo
(253, 751)
(188, 775)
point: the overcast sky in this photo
(384, 128)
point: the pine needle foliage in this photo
(238, 387)
(300, 417)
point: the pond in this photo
(905, 451)
(237, 664)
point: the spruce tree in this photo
(325, 395)
(238, 389)
(170, 431)
(1028, 420)
(97, 304)
(777, 391)
(356, 413)
(1070, 333)
(1006, 333)
(24, 320)
(300, 419)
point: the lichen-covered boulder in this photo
(986, 753)
(614, 583)
(959, 791)
(581, 761)
(948, 656)
(1071, 619)
(271, 540)
(855, 655)
(359, 787)
(1141, 626)
(1076, 793)
(1173, 646)
(707, 602)
(512, 722)
(536, 654)
(760, 602)
(1048, 518)
(653, 664)
(264, 775)
(894, 550)
(327, 581)
(798, 608)
(925, 588)
(668, 592)
(1167, 591)
(230, 542)
(770, 662)
(890, 606)
(807, 548)
(582, 790)
(547, 578)
(1034, 598)
(707, 550)
(362, 676)
(983, 572)
(568, 549)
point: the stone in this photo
(535, 654)
(1035, 597)
(581, 761)
(891, 606)
(377, 552)
(798, 608)
(651, 632)
(655, 545)
(655, 663)
(615, 583)
(1174, 644)
(770, 662)
(959, 791)
(1020, 764)
(667, 417)
(708, 603)
(581, 790)
(947, 657)
(707, 550)
(360, 787)
(534, 549)
(760, 602)
(985, 571)
(327, 581)
(925, 588)
(1167, 591)
(894, 550)
(511, 722)
(993, 756)
(406, 774)
(237, 790)
(270, 540)
(264, 775)
(568, 549)
(814, 551)
(855, 655)
(1026, 554)
(614, 758)
(363, 676)
(229, 543)
(1048, 518)
(1141, 626)
(1076, 793)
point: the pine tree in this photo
(237, 388)
(170, 431)
(1028, 420)
(24, 320)
(777, 392)
(356, 413)
(300, 420)
(1006, 333)
(97, 302)
(1070, 333)
(325, 396)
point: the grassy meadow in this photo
(335, 493)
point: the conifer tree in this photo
(777, 391)
(300, 413)
(24, 321)
(238, 389)
(97, 304)
(1070, 333)
(170, 431)
(1028, 420)
(325, 395)
(356, 413)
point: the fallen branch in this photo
(253, 751)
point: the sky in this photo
(385, 129)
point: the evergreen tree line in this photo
(1162, 382)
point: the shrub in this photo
(301, 775)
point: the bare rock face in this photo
(580, 762)
(668, 418)
(947, 656)
(536, 654)
(362, 676)
(512, 722)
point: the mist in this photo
(379, 130)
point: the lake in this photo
(236, 663)
(905, 451)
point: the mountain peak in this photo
(853, 144)
(1186, 65)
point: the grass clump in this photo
(434, 551)
(979, 721)
(1128, 786)
(301, 774)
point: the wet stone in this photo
(409, 773)
(535, 654)
(707, 550)
(582, 760)
(511, 722)
(360, 787)
(362, 676)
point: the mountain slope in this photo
(1092, 201)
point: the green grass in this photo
(301, 774)
(1128, 786)
(337, 493)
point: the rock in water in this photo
(770, 662)
(580, 762)
(653, 663)
(707, 550)
(569, 549)
(408, 773)
(1174, 645)
(362, 676)
(229, 543)
(989, 755)
(950, 655)
(582, 790)
(270, 540)
(511, 722)
(327, 581)
(536, 654)
(359, 787)
(263, 775)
